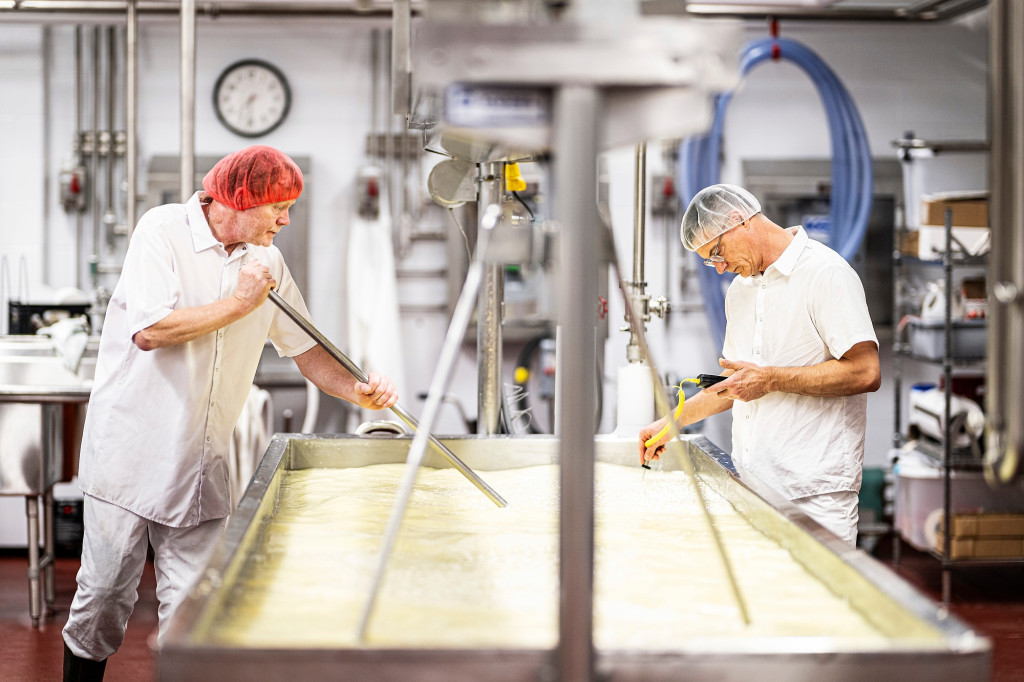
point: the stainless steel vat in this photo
(919, 639)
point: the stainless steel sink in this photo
(35, 383)
(32, 361)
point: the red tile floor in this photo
(990, 599)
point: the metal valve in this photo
(660, 307)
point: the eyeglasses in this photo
(713, 258)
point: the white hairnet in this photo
(711, 213)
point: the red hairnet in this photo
(254, 176)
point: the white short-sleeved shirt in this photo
(806, 308)
(159, 422)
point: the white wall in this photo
(929, 78)
(22, 180)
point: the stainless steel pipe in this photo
(577, 116)
(131, 112)
(438, 386)
(359, 374)
(488, 311)
(188, 100)
(638, 287)
(1005, 370)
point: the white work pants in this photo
(113, 557)
(839, 512)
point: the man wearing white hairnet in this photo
(182, 338)
(800, 354)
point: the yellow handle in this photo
(679, 410)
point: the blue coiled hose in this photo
(699, 162)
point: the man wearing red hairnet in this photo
(181, 341)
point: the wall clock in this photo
(251, 98)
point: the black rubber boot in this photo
(82, 669)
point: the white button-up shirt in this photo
(807, 307)
(159, 422)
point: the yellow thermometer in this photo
(702, 380)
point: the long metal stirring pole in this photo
(438, 385)
(661, 405)
(355, 371)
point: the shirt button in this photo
(207, 439)
(763, 286)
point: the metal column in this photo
(576, 115)
(1005, 374)
(188, 99)
(488, 317)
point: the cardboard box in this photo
(969, 209)
(976, 525)
(929, 243)
(982, 548)
(919, 498)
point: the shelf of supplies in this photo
(956, 261)
(976, 561)
(967, 362)
(960, 459)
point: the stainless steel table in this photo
(36, 390)
(34, 477)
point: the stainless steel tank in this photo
(916, 639)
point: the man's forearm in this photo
(700, 407)
(857, 372)
(186, 324)
(326, 373)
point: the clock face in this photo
(251, 98)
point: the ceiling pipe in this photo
(932, 10)
(115, 11)
(74, 10)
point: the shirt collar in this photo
(787, 261)
(202, 235)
